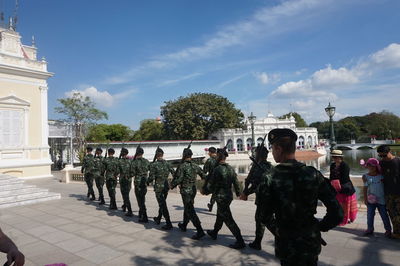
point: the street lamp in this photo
(252, 120)
(330, 111)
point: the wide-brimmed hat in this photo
(373, 162)
(336, 153)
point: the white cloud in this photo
(388, 57)
(180, 79)
(334, 77)
(103, 98)
(262, 77)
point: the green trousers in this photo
(224, 215)
(111, 184)
(89, 183)
(125, 186)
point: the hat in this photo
(98, 149)
(222, 152)
(372, 162)
(124, 151)
(262, 151)
(159, 150)
(336, 153)
(111, 150)
(139, 150)
(278, 133)
(187, 152)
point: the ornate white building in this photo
(24, 149)
(240, 140)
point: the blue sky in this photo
(279, 56)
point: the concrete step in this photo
(23, 189)
(32, 200)
(10, 181)
(11, 186)
(23, 196)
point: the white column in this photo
(45, 124)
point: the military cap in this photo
(187, 152)
(111, 150)
(278, 133)
(89, 148)
(212, 150)
(159, 150)
(261, 150)
(98, 149)
(222, 152)
(124, 151)
(139, 150)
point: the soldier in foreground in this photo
(208, 169)
(125, 180)
(98, 173)
(185, 177)
(224, 177)
(159, 171)
(140, 169)
(87, 170)
(111, 173)
(259, 168)
(289, 202)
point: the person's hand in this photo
(14, 255)
(243, 196)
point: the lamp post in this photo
(330, 111)
(252, 120)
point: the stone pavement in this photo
(75, 231)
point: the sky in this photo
(263, 55)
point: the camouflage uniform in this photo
(252, 183)
(99, 176)
(111, 169)
(288, 200)
(125, 182)
(87, 169)
(208, 169)
(224, 178)
(185, 177)
(159, 171)
(140, 169)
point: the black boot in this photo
(256, 244)
(93, 197)
(129, 213)
(144, 218)
(102, 200)
(113, 205)
(212, 234)
(239, 244)
(88, 195)
(182, 227)
(167, 226)
(200, 233)
(123, 207)
(157, 220)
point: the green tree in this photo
(81, 112)
(150, 129)
(197, 115)
(113, 132)
(300, 122)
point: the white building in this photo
(240, 140)
(24, 149)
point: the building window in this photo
(248, 144)
(229, 145)
(239, 144)
(301, 142)
(11, 128)
(259, 141)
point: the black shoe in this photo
(129, 214)
(255, 245)
(123, 208)
(238, 245)
(113, 208)
(212, 234)
(182, 227)
(167, 227)
(88, 195)
(209, 206)
(92, 198)
(198, 235)
(144, 219)
(102, 202)
(157, 220)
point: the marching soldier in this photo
(125, 180)
(259, 168)
(159, 171)
(140, 169)
(288, 200)
(224, 177)
(99, 174)
(208, 169)
(185, 177)
(111, 169)
(87, 169)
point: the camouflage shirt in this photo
(140, 169)
(88, 164)
(124, 167)
(98, 165)
(186, 175)
(209, 166)
(254, 177)
(111, 167)
(224, 177)
(159, 172)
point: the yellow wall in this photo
(27, 171)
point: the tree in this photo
(80, 111)
(300, 122)
(198, 115)
(150, 129)
(113, 132)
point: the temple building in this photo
(239, 140)
(24, 149)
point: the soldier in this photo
(288, 200)
(159, 171)
(111, 169)
(99, 173)
(125, 180)
(208, 168)
(185, 177)
(87, 170)
(259, 167)
(223, 179)
(140, 169)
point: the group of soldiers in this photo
(286, 195)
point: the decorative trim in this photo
(25, 72)
(14, 100)
(5, 164)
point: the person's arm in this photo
(200, 173)
(151, 173)
(365, 189)
(236, 185)
(178, 177)
(13, 254)
(345, 173)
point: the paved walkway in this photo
(75, 231)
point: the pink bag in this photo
(373, 199)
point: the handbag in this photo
(348, 189)
(372, 199)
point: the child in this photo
(374, 196)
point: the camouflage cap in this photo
(222, 152)
(159, 150)
(139, 150)
(124, 151)
(111, 150)
(212, 150)
(187, 152)
(98, 149)
(89, 148)
(278, 133)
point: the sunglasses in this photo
(382, 155)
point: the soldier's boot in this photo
(129, 213)
(113, 204)
(102, 200)
(123, 207)
(167, 226)
(256, 244)
(157, 219)
(88, 194)
(182, 226)
(144, 218)
(239, 244)
(199, 234)
(213, 234)
(93, 197)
